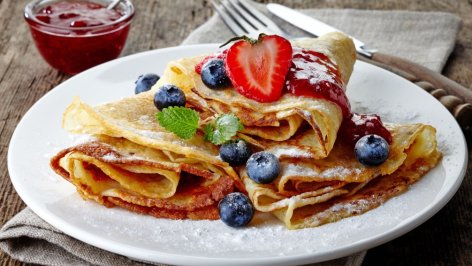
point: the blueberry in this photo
(263, 167)
(214, 74)
(236, 210)
(145, 82)
(371, 150)
(169, 95)
(235, 153)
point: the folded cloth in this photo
(28, 238)
(407, 34)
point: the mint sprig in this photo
(181, 121)
(225, 127)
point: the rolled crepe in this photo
(277, 121)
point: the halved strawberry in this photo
(257, 68)
(219, 55)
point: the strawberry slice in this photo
(219, 55)
(257, 68)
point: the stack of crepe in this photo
(134, 163)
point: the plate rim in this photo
(166, 257)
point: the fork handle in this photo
(456, 98)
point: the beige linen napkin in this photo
(426, 38)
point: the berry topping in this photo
(235, 153)
(263, 167)
(43, 18)
(145, 82)
(219, 55)
(257, 68)
(169, 95)
(313, 74)
(236, 210)
(78, 14)
(371, 150)
(355, 126)
(213, 74)
(68, 15)
(78, 24)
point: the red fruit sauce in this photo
(355, 126)
(75, 35)
(314, 75)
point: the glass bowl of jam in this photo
(74, 35)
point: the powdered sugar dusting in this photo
(145, 119)
(292, 152)
(312, 68)
(351, 207)
(333, 172)
(109, 157)
(306, 113)
(388, 111)
(298, 170)
(340, 171)
(81, 138)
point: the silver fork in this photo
(244, 19)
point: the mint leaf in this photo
(226, 126)
(208, 132)
(181, 121)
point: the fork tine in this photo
(261, 17)
(250, 30)
(256, 24)
(228, 20)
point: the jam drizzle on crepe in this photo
(355, 126)
(313, 74)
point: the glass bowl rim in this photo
(30, 16)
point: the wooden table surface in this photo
(445, 239)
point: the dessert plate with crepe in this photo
(119, 156)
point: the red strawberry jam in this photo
(314, 75)
(355, 126)
(75, 35)
(77, 14)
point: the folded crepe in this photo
(309, 192)
(134, 163)
(117, 172)
(268, 125)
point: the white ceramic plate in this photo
(266, 241)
